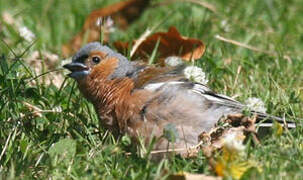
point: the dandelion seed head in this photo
(234, 141)
(196, 74)
(27, 34)
(256, 104)
(173, 61)
(224, 24)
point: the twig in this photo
(146, 34)
(140, 40)
(204, 4)
(37, 111)
(6, 143)
(244, 45)
(168, 150)
(39, 159)
(173, 150)
(237, 76)
(164, 151)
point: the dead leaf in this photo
(224, 148)
(121, 47)
(43, 61)
(190, 176)
(216, 139)
(122, 13)
(237, 124)
(171, 43)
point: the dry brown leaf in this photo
(122, 47)
(229, 139)
(190, 176)
(238, 124)
(171, 43)
(215, 140)
(46, 61)
(123, 13)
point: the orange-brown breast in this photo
(114, 100)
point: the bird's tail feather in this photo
(267, 120)
(264, 120)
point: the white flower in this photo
(224, 24)
(110, 24)
(173, 61)
(26, 34)
(255, 104)
(99, 21)
(107, 23)
(233, 141)
(196, 74)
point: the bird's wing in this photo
(186, 107)
(154, 79)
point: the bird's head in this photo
(94, 55)
(97, 69)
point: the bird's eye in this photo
(96, 59)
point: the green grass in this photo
(32, 145)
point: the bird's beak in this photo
(75, 66)
(78, 70)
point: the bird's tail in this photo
(263, 119)
(267, 120)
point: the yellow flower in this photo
(232, 162)
(278, 129)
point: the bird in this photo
(146, 101)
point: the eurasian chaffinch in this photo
(143, 100)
